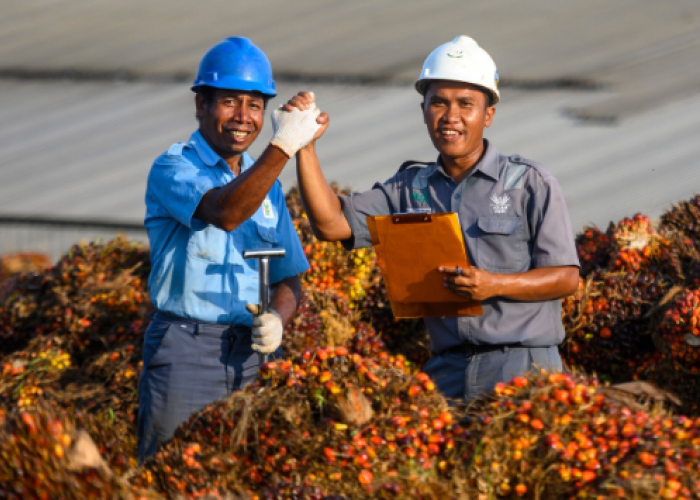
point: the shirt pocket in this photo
(501, 244)
(209, 244)
(267, 235)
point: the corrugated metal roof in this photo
(84, 149)
(632, 45)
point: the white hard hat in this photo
(461, 60)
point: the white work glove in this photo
(267, 330)
(292, 130)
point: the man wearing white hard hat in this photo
(511, 211)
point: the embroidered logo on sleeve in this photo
(500, 203)
(267, 210)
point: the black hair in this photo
(209, 94)
(423, 89)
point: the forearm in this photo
(537, 284)
(229, 206)
(320, 202)
(285, 298)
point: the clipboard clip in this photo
(411, 217)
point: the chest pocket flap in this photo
(267, 233)
(500, 224)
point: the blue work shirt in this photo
(198, 270)
(514, 218)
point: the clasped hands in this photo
(297, 123)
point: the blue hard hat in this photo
(236, 63)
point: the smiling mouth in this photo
(450, 134)
(239, 134)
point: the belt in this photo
(198, 324)
(473, 349)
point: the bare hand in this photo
(302, 101)
(473, 283)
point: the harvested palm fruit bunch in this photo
(331, 266)
(608, 331)
(326, 423)
(554, 436)
(46, 456)
(325, 319)
(680, 331)
(407, 337)
(684, 218)
(22, 262)
(637, 246)
(594, 249)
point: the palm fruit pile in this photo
(335, 425)
(632, 316)
(349, 415)
(327, 422)
(46, 454)
(72, 335)
(564, 436)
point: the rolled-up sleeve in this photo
(178, 186)
(551, 234)
(382, 199)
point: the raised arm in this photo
(229, 206)
(320, 202)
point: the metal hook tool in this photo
(264, 255)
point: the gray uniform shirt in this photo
(514, 219)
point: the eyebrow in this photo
(227, 95)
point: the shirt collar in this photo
(487, 165)
(209, 156)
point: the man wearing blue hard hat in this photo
(207, 201)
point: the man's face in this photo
(231, 121)
(456, 114)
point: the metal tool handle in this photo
(264, 255)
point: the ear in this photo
(490, 112)
(422, 110)
(199, 105)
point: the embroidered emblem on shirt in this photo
(500, 203)
(267, 210)
(420, 197)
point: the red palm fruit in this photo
(520, 381)
(537, 424)
(365, 477)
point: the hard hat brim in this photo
(230, 83)
(422, 84)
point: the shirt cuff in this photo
(360, 237)
(555, 262)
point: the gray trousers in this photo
(460, 376)
(187, 365)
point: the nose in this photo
(242, 113)
(451, 114)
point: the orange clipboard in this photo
(409, 249)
